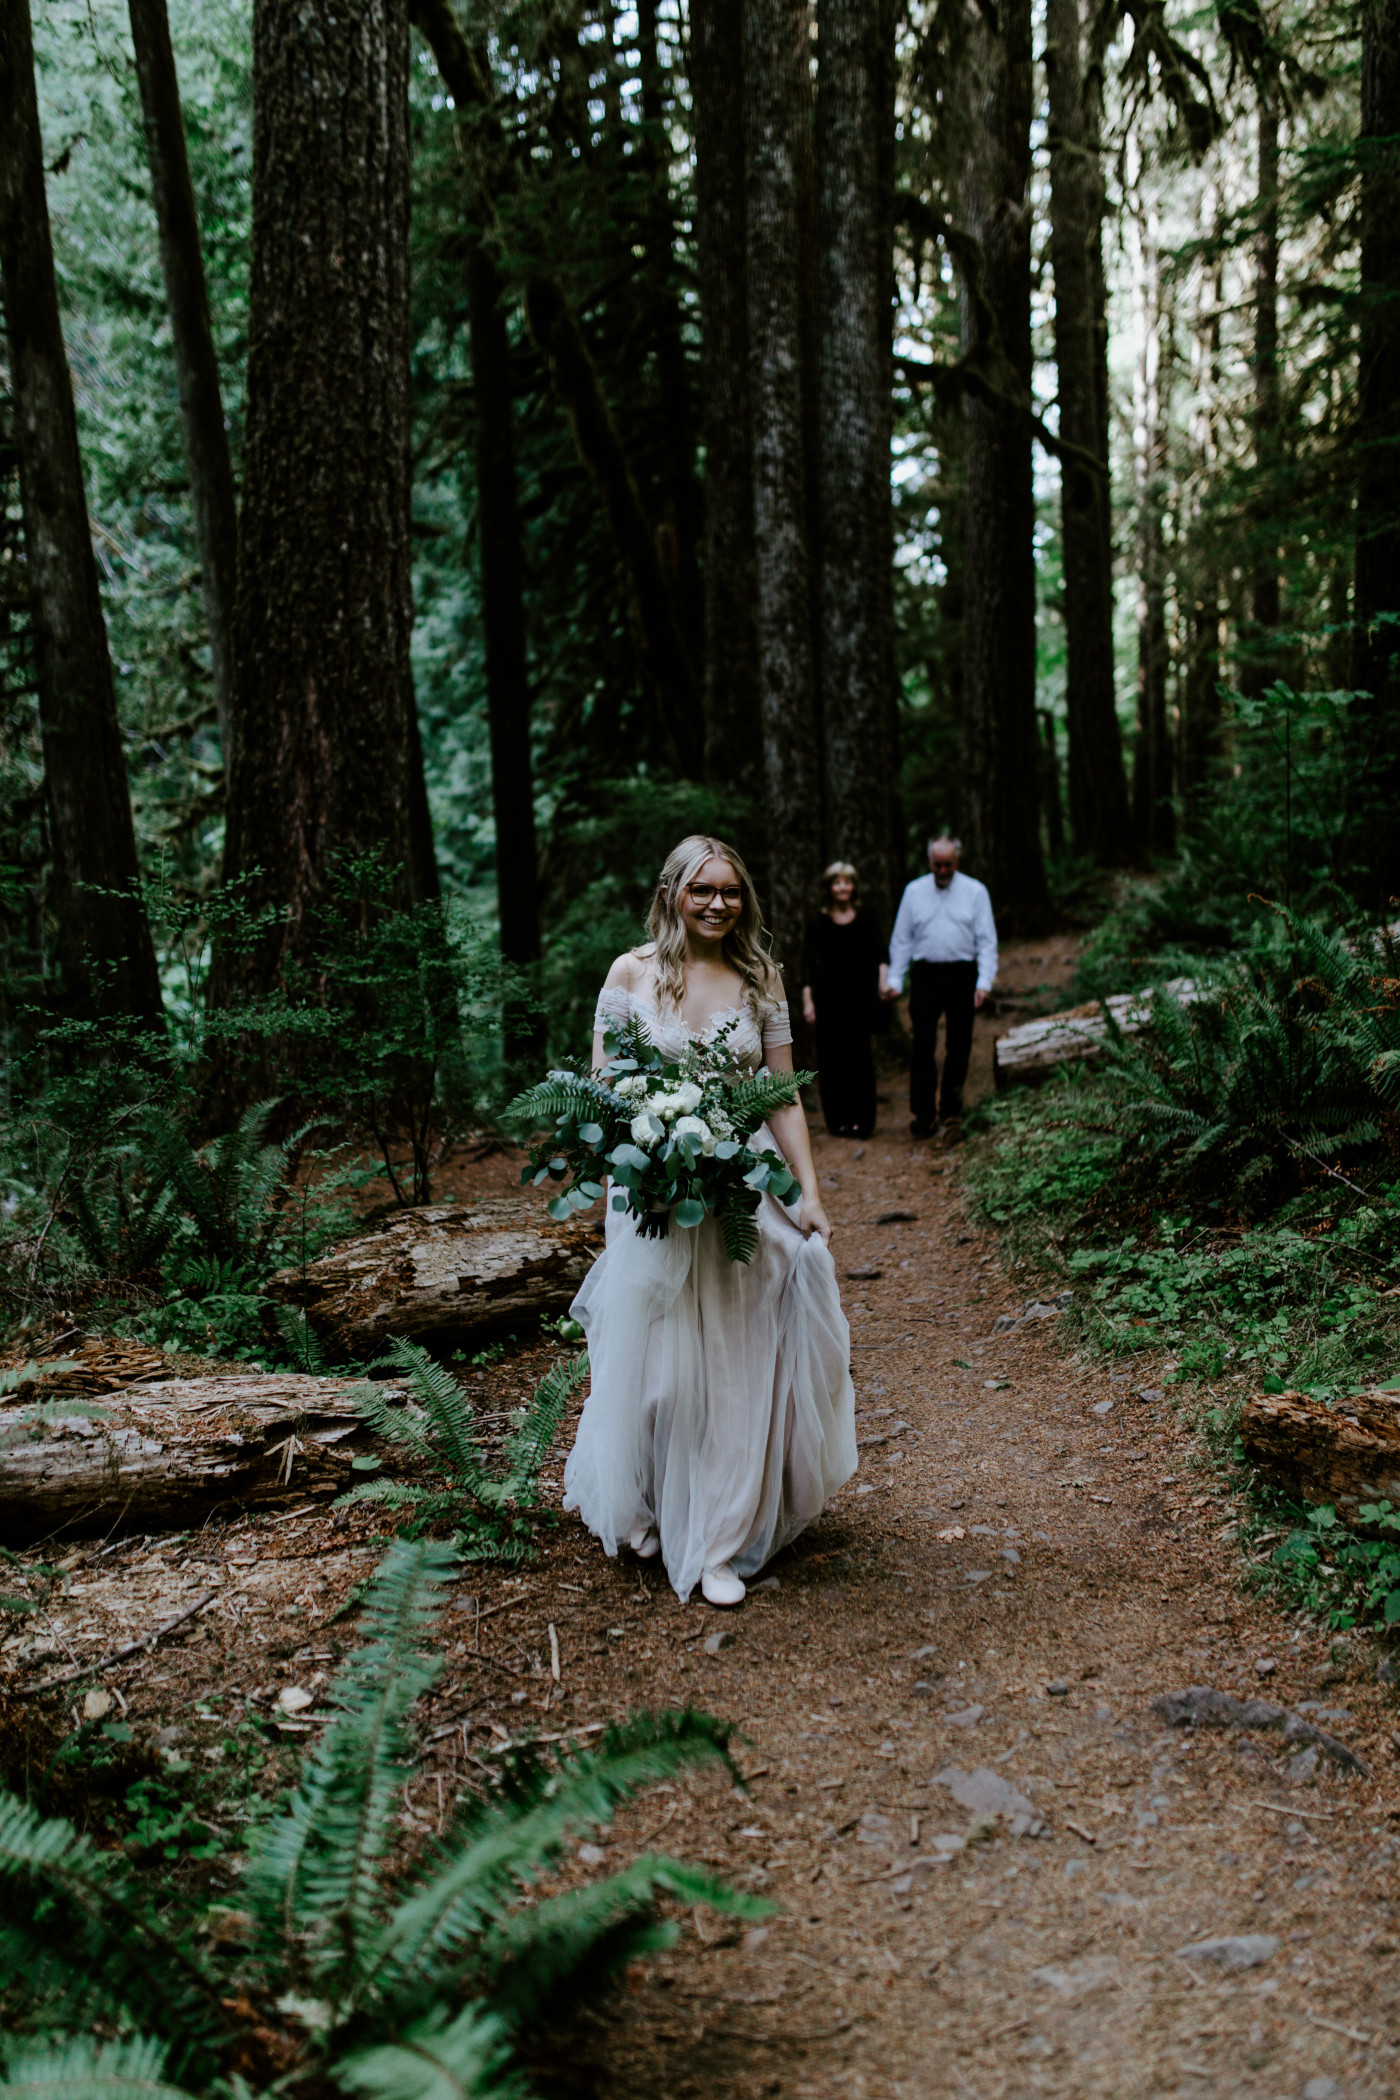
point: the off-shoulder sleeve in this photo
(614, 1008)
(777, 1029)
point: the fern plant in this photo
(230, 1191)
(490, 1507)
(1294, 1059)
(395, 1986)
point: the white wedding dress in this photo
(720, 1406)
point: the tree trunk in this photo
(503, 626)
(1000, 797)
(1347, 1455)
(1050, 798)
(855, 270)
(103, 940)
(443, 1274)
(682, 525)
(196, 366)
(775, 48)
(1260, 665)
(733, 734)
(176, 1450)
(1153, 817)
(1100, 820)
(1376, 661)
(324, 717)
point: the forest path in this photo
(901, 1642)
(1085, 1556)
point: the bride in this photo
(720, 1415)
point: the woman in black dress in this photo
(846, 962)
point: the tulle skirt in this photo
(720, 1406)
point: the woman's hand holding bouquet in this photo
(671, 1136)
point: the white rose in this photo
(646, 1130)
(696, 1127)
(632, 1087)
(689, 1095)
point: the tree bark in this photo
(1000, 795)
(1260, 666)
(1153, 816)
(1100, 821)
(776, 33)
(324, 719)
(733, 735)
(178, 1449)
(680, 531)
(1051, 801)
(1376, 656)
(503, 627)
(1347, 1455)
(103, 940)
(443, 1273)
(855, 598)
(196, 366)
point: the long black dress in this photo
(842, 967)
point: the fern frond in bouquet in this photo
(670, 1134)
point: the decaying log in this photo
(443, 1273)
(1345, 1454)
(173, 1452)
(1033, 1050)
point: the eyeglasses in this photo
(703, 893)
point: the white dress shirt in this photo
(938, 926)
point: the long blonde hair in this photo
(745, 945)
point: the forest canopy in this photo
(815, 424)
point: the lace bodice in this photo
(747, 1045)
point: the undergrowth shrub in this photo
(1224, 1184)
(398, 1983)
(1343, 1576)
(115, 1199)
(491, 1508)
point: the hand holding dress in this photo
(720, 1405)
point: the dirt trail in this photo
(1091, 1560)
(1025, 1560)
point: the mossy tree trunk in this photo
(103, 942)
(325, 759)
(777, 152)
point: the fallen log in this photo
(174, 1452)
(443, 1273)
(1346, 1453)
(1034, 1049)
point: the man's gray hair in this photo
(945, 838)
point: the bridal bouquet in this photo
(671, 1134)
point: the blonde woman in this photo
(720, 1415)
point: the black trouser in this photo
(934, 989)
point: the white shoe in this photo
(645, 1541)
(721, 1585)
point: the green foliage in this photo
(1343, 1576)
(396, 1984)
(1219, 1185)
(629, 1126)
(1289, 1057)
(491, 1509)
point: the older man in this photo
(945, 941)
